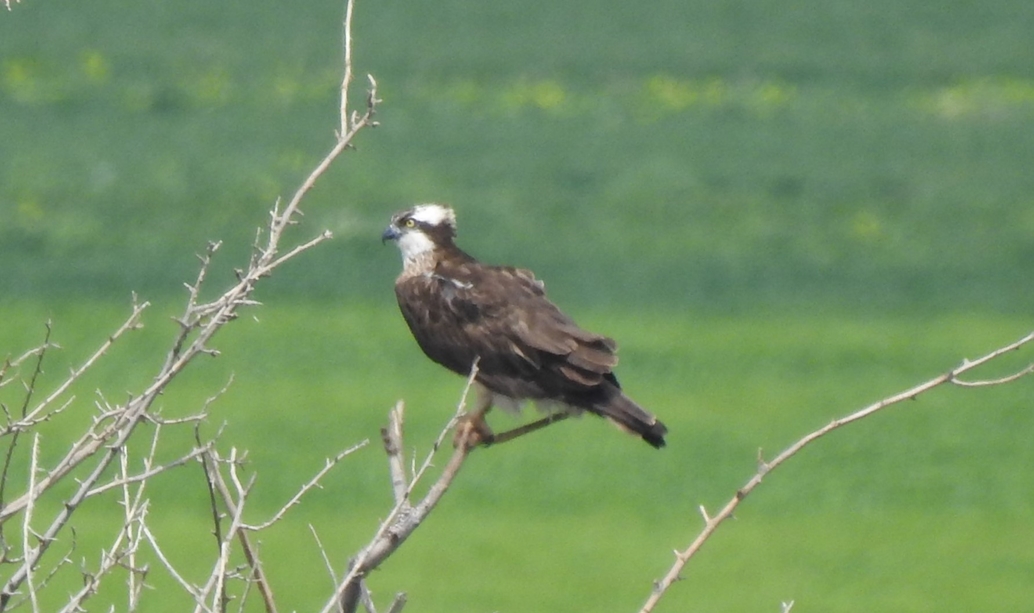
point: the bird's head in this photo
(420, 230)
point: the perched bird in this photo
(460, 310)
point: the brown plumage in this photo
(459, 310)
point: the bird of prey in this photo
(461, 311)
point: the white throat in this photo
(416, 249)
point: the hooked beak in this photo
(390, 234)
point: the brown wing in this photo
(527, 347)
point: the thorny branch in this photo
(233, 500)
(107, 437)
(122, 552)
(405, 517)
(22, 424)
(711, 523)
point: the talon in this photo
(472, 431)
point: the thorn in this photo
(762, 464)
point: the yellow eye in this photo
(409, 223)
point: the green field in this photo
(782, 211)
(925, 508)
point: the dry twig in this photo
(711, 523)
(405, 517)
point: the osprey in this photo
(461, 311)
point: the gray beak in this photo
(390, 234)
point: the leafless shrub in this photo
(100, 462)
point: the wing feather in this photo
(527, 346)
(593, 359)
(545, 337)
(580, 376)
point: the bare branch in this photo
(323, 554)
(65, 560)
(210, 466)
(129, 504)
(217, 578)
(121, 553)
(186, 585)
(30, 554)
(131, 323)
(142, 477)
(313, 483)
(233, 503)
(1000, 381)
(460, 410)
(711, 523)
(404, 518)
(398, 603)
(347, 78)
(38, 353)
(87, 445)
(37, 369)
(392, 438)
(323, 236)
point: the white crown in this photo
(434, 214)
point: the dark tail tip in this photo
(654, 434)
(632, 418)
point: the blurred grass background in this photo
(782, 211)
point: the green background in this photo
(781, 210)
